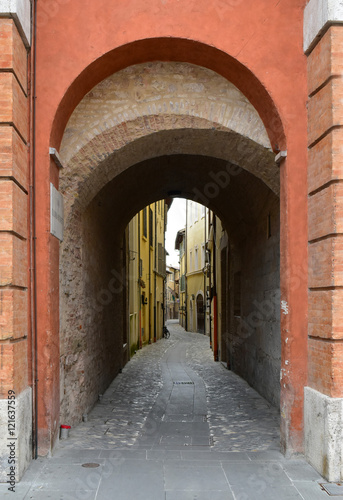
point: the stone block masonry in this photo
(324, 433)
(22, 435)
(254, 331)
(14, 184)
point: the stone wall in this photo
(91, 296)
(255, 339)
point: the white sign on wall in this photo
(56, 213)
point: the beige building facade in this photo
(172, 293)
(180, 245)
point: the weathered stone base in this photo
(23, 435)
(324, 434)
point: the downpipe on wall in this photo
(215, 305)
(155, 277)
(33, 237)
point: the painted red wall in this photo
(256, 44)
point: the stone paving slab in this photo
(256, 492)
(199, 495)
(192, 478)
(196, 432)
(298, 471)
(268, 473)
(215, 455)
(66, 477)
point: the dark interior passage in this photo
(200, 314)
(94, 326)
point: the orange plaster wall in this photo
(257, 44)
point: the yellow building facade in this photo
(146, 258)
(180, 245)
(172, 293)
(197, 285)
(204, 275)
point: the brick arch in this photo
(156, 109)
(84, 177)
(171, 49)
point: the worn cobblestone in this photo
(120, 415)
(239, 418)
(173, 425)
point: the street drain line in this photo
(183, 383)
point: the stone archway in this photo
(183, 116)
(131, 106)
(211, 138)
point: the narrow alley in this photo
(174, 425)
(164, 160)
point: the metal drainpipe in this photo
(205, 302)
(33, 237)
(186, 301)
(155, 285)
(210, 282)
(139, 281)
(149, 304)
(215, 305)
(164, 250)
(128, 287)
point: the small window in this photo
(145, 223)
(151, 225)
(202, 256)
(183, 283)
(161, 259)
(196, 210)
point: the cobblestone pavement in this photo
(239, 418)
(118, 418)
(173, 425)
